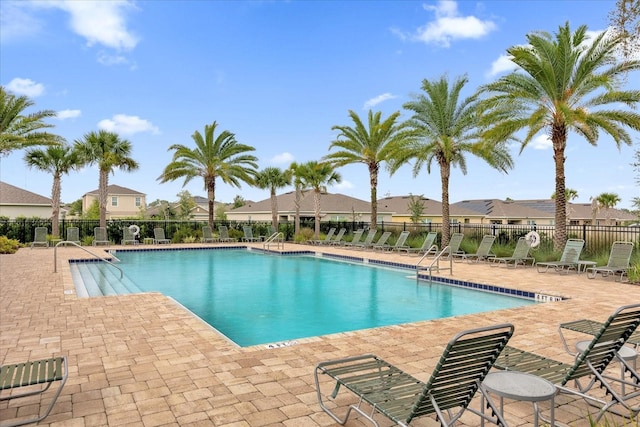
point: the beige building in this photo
(122, 202)
(16, 202)
(333, 207)
(398, 210)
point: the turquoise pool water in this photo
(253, 298)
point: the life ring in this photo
(532, 238)
(134, 229)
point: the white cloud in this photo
(377, 100)
(16, 22)
(344, 185)
(450, 25)
(128, 125)
(107, 59)
(68, 114)
(503, 64)
(100, 22)
(541, 142)
(25, 87)
(282, 159)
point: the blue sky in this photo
(280, 74)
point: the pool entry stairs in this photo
(104, 280)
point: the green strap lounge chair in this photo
(73, 235)
(453, 248)
(337, 241)
(159, 237)
(428, 245)
(357, 235)
(207, 235)
(100, 236)
(568, 260)
(382, 241)
(368, 241)
(484, 250)
(248, 234)
(589, 366)
(327, 238)
(619, 260)
(400, 243)
(520, 255)
(31, 378)
(128, 236)
(387, 390)
(40, 238)
(224, 234)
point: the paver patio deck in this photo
(142, 360)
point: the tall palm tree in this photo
(607, 201)
(569, 195)
(296, 172)
(371, 145)
(565, 83)
(272, 178)
(58, 160)
(317, 176)
(448, 129)
(213, 157)
(19, 130)
(108, 151)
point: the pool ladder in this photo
(276, 238)
(433, 265)
(65, 242)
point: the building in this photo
(16, 202)
(122, 202)
(398, 210)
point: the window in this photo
(138, 201)
(114, 200)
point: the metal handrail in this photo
(277, 237)
(435, 261)
(65, 242)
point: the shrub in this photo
(87, 241)
(8, 246)
(304, 235)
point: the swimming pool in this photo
(253, 298)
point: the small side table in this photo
(54, 242)
(583, 265)
(523, 387)
(148, 240)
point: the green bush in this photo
(8, 246)
(87, 241)
(304, 235)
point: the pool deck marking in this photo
(142, 360)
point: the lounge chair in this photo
(207, 235)
(520, 255)
(40, 238)
(159, 237)
(619, 260)
(337, 241)
(465, 362)
(327, 238)
(100, 236)
(589, 365)
(73, 235)
(453, 248)
(382, 241)
(427, 247)
(398, 245)
(36, 377)
(368, 241)
(224, 234)
(484, 250)
(248, 234)
(128, 237)
(568, 260)
(357, 235)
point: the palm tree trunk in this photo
(297, 219)
(102, 196)
(211, 195)
(445, 172)
(559, 140)
(316, 205)
(55, 199)
(274, 208)
(373, 180)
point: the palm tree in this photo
(569, 195)
(18, 130)
(272, 178)
(317, 175)
(564, 84)
(295, 172)
(370, 145)
(57, 160)
(213, 157)
(607, 201)
(108, 151)
(448, 129)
